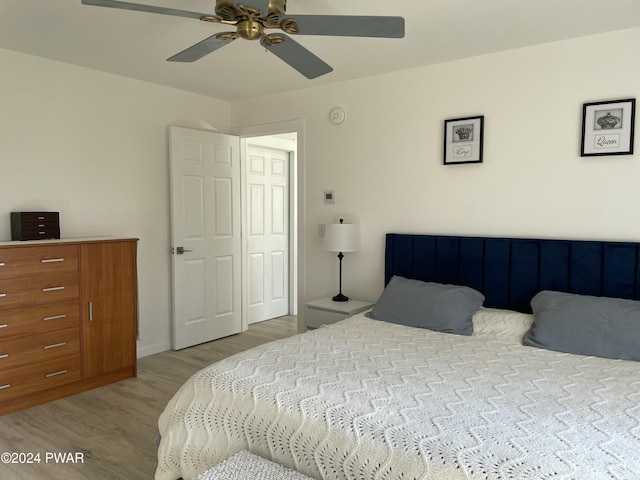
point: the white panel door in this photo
(267, 199)
(205, 209)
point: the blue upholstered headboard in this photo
(510, 271)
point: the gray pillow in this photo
(443, 308)
(586, 325)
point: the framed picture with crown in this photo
(607, 128)
(463, 140)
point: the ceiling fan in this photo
(252, 17)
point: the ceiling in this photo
(137, 44)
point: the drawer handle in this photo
(2, 387)
(55, 345)
(3, 294)
(41, 226)
(4, 325)
(55, 374)
(4, 356)
(51, 260)
(54, 317)
(1, 264)
(40, 218)
(52, 289)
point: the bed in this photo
(376, 399)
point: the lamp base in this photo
(340, 298)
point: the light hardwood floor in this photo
(113, 429)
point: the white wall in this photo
(94, 147)
(385, 161)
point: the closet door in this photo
(109, 307)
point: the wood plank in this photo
(115, 427)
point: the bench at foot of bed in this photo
(245, 465)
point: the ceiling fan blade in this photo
(297, 56)
(262, 5)
(144, 8)
(350, 26)
(205, 47)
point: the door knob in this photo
(181, 250)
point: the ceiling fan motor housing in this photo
(228, 10)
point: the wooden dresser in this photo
(68, 318)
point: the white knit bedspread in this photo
(363, 399)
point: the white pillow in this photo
(501, 324)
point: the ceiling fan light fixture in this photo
(250, 29)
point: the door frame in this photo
(296, 184)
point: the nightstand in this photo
(326, 311)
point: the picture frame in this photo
(608, 128)
(463, 140)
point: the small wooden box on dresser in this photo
(68, 318)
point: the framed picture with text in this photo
(607, 128)
(463, 140)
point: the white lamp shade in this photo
(341, 237)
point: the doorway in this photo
(269, 223)
(203, 322)
(297, 173)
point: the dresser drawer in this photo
(39, 319)
(38, 231)
(34, 217)
(37, 260)
(39, 348)
(35, 225)
(39, 376)
(41, 289)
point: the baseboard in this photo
(153, 349)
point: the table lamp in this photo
(341, 237)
